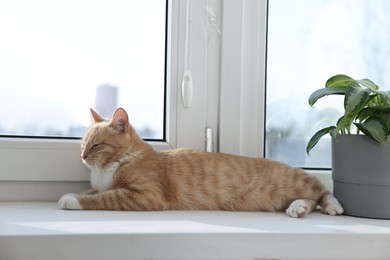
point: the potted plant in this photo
(360, 152)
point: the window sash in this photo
(243, 77)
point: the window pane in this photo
(308, 42)
(58, 58)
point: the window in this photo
(59, 58)
(231, 77)
(308, 42)
(129, 56)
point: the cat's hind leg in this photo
(330, 205)
(300, 208)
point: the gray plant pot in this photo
(361, 176)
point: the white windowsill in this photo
(40, 230)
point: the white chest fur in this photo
(102, 179)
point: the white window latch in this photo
(209, 140)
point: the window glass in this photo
(308, 42)
(58, 58)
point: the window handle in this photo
(187, 89)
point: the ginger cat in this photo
(128, 174)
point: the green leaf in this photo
(368, 83)
(383, 98)
(365, 113)
(345, 122)
(339, 80)
(374, 100)
(385, 117)
(317, 136)
(325, 92)
(375, 128)
(374, 111)
(382, 113)
(333, 132)
(355, 98)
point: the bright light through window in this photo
(58, 58)
(308, 42)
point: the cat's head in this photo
(106, 140)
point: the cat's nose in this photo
(84, 156)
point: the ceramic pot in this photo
(361, 176)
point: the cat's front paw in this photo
(69, 201)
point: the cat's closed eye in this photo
(96, 145)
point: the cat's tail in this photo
(330, 205)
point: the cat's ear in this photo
(120, 120)
(96, 118)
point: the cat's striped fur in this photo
(128, 174)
